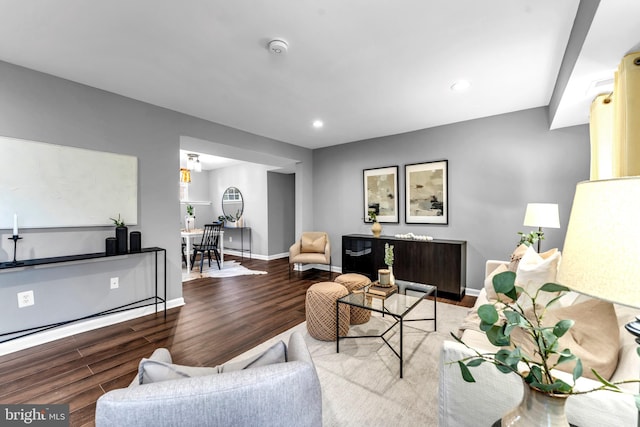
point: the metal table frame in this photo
(410, 304)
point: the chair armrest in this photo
(294, 250)
(327, 251)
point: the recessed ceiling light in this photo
(318, 124)
(460, 86)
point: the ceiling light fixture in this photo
(193, 162)
(460, 86)
(318, 124)
(278, 47)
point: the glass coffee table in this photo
(397, 305)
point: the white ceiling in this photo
(366, 68)
(208, 161)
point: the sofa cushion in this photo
(156, 370)
(312, 243)
(534, 270)
(516, 256)
(594, 338)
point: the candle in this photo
(15, 224)
(384, 276)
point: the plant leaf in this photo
(603, 381)
(535, 375)
(503, 283)
(562, 327)
(475, 362)
(566, 356)
(553, 287)
(466, 373)
(496, 336)
(513, 317)
(488, 313)
(557, 386)
(484, 326)
(548, 342)
(577, 371)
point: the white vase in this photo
(392, 278)
(537, 409)
(189, 223)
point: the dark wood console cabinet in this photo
(442, 263)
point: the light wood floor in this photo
(221, 319)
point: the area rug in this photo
(361, 384)
(229, 269)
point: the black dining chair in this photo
(208, 244)
(184, 256)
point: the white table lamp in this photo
(542, 215)
(601, 253)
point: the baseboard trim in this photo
(472, 292)
(256, 256)
(324, 267)
(79, 327)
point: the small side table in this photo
(396, 305)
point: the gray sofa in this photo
(280, 394)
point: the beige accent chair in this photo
(312, 248)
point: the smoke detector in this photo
(278, 47)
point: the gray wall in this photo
(251, 180)
(199, 191)
(281, 193)
(496, 166)
(41, 107)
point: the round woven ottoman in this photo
(320, 307)
(354, 282)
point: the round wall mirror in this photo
(232, 204)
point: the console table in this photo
(442, 263)
(153, 300)
(242, 230)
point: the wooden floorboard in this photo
(221, 319)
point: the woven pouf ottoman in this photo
(354, 282)
(320, 307)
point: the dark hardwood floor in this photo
(221, 319)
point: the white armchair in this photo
(312, 248)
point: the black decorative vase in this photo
(135, 241)
(121, 240)
(111, 245)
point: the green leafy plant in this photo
(373, 217)
(530, 238)
(388, 254)
(118, 222)
(500, 319)
(190, 210)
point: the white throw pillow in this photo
(534, 270)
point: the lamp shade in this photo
(601, 253)
(542, 215)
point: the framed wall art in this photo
(426, 193)
(381, 194)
